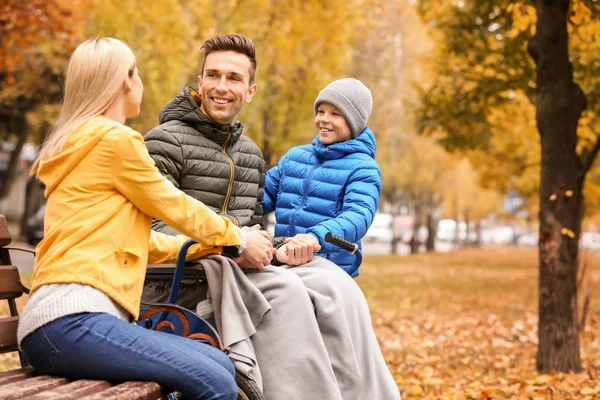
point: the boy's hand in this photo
(307, 238)
(295, 252)
(259, 249)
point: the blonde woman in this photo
(103, 190)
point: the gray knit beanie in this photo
(352, 99)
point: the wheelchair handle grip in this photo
(342, 243)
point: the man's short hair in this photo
(237, 43)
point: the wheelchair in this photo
(171, 318)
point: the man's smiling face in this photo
(225, 85)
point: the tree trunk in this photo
(32, 203)
(478, 239)
(467, 230)
(268, 124)
(395, 238)
(34, 195)
(414, 240)
(456, 213)
(560, 103)
(267, 134)
(21, 130)
(431, 232)
(457, 241)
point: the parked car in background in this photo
(446, 230)
(381, 229)
(589, 241)
(35, 227)
(528, 239)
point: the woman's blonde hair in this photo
(95, 75)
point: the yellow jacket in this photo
(103, 190)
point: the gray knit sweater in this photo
(51, 302)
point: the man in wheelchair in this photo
(306, 322)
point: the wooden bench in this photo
(25, 383)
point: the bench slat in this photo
(23, 382)
(73, 390)
(15, 375)
(130, 391)
(27, 387)
(4, 234)
(8, 334)
(10, 282)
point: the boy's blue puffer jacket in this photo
(326, 188)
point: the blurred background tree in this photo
(34, 43)
(497, 61)
(163, 38)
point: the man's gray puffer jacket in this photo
(213, 163)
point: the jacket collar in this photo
(185, 107)
(364, 143)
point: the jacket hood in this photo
(81, 141)
(364, 143)
(185, 107)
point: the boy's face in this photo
(225, 85)
(331, 125)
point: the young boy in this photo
(332, 185)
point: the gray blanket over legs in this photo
(345, 324)
(239, 308)
(269, 316)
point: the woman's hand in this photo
(259, 249)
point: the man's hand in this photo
(259, 249)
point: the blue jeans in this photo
(101, 346)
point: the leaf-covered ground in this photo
(463, 325)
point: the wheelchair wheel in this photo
(247, 388)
